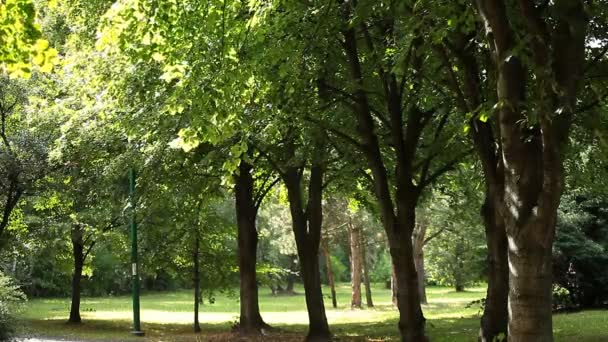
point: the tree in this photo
(307, 219)
(532, 154)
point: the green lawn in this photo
(167, 317)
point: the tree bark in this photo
(411, 320)
(418, 243)
(197, 282)
(366, 280)
(355, 266)
(250, 320)
(307, 222)
(330, 273)
(533, 156)
(78, 255)
(495, 317)
(394, 285)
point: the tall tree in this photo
(532, 152)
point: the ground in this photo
(168, 317)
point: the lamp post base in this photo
(138, 333)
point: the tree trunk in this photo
(532, 155)
(78, 254)
(495, 318)
(418, 245)
(197, 282)
(366, 281)
(411, 320)
(250, 320)
(398, 215)
(355, 266)
(307, 222)
(530, 283)
(419, 262)
(394, 285)
(330, 273)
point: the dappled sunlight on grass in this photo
(168, 317)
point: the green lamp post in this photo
(136, 322)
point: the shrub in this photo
(11, 299)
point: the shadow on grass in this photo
(587, 326)
(106, 330)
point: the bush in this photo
(561, 298)
(11, 298)
(580, 254)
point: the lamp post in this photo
(136, 323)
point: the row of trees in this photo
(377, 101)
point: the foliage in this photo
(580, 255)
(456, 256)
(22, 42)
(11, 299)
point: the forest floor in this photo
(167, 316)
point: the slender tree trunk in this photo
(355, 266)
(197, 282)
(419, 262)
(330, 273)
(398, 215)
(418, 244)
(495, 318)
(291, 280)
(366, 281)
(13, 195)
(307, 222)
(78, 255)
(250, 320)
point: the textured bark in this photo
(330, 273)
(307, 221)
(355, 266)
(78, 255)
(250, 320)
(532, 156)
(366, 281)
(197, 282)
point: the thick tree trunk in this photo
(250, 320)
(330, 273)
(197, 282)
(411, 320)
(78, 255)
(532, 154)
(366, 280)
(307, 222)
(530, 282)
(355, 266)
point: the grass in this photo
(168, 317)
